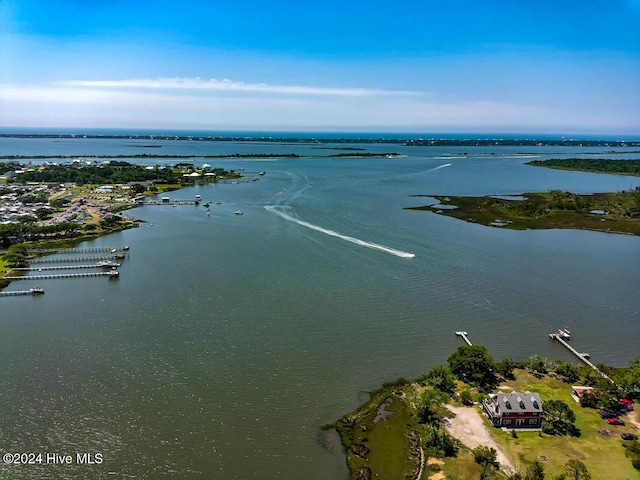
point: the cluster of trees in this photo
(8, 167)
(13, 233)
(116, 172)
(629, 167)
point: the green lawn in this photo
(604, 456)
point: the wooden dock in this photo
(464, 337)
(72, 251)
(15, 293)
(110, 274)
(581, 356)
(65, 267)
(75, 258)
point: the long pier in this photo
(82, 250)
(15, 293)
(110, 274)
(76, 258)
(464, 337)
(581, 356)
(66, 267)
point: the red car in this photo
(614, 421)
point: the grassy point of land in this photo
(613, 212)
(385, 447)
(595, 165)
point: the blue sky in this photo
(458, 66)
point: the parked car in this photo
(629, 436)
(604, 414)
(615, 421)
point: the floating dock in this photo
(15, 293)
(464, 337)
(582, 356)
(110, 274)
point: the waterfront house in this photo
(514, 410)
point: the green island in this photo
(436, 428)
(612, 212)
(597, 165)
(603, 212)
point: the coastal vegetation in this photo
(144, 156)
(117, 172)
(598, 165)
(402, 431)
(605, 212)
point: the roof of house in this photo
(518, 402)
(580, 391)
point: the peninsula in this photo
(434, 427)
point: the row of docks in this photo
(106, 263)
(75, 258)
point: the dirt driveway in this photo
(469, 428)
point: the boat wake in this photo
(357, 241)
(441, 166)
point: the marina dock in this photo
(110, 274)
(464, 337)
(15, 293)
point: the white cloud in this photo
(42, 106)
(228, 86)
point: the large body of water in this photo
(229, 340)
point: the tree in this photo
(576, 470)
(559, 416)
(441, 378)
(484, 455)
(537, 364)
(535, 471)
(569, 372)
(465, 398)
(439, 442)
(505, 367)
(429, 406)
(473, 364)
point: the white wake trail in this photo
(357, 241)
(442, 166)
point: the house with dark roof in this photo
(514, 410)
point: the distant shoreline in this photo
(542, 141)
